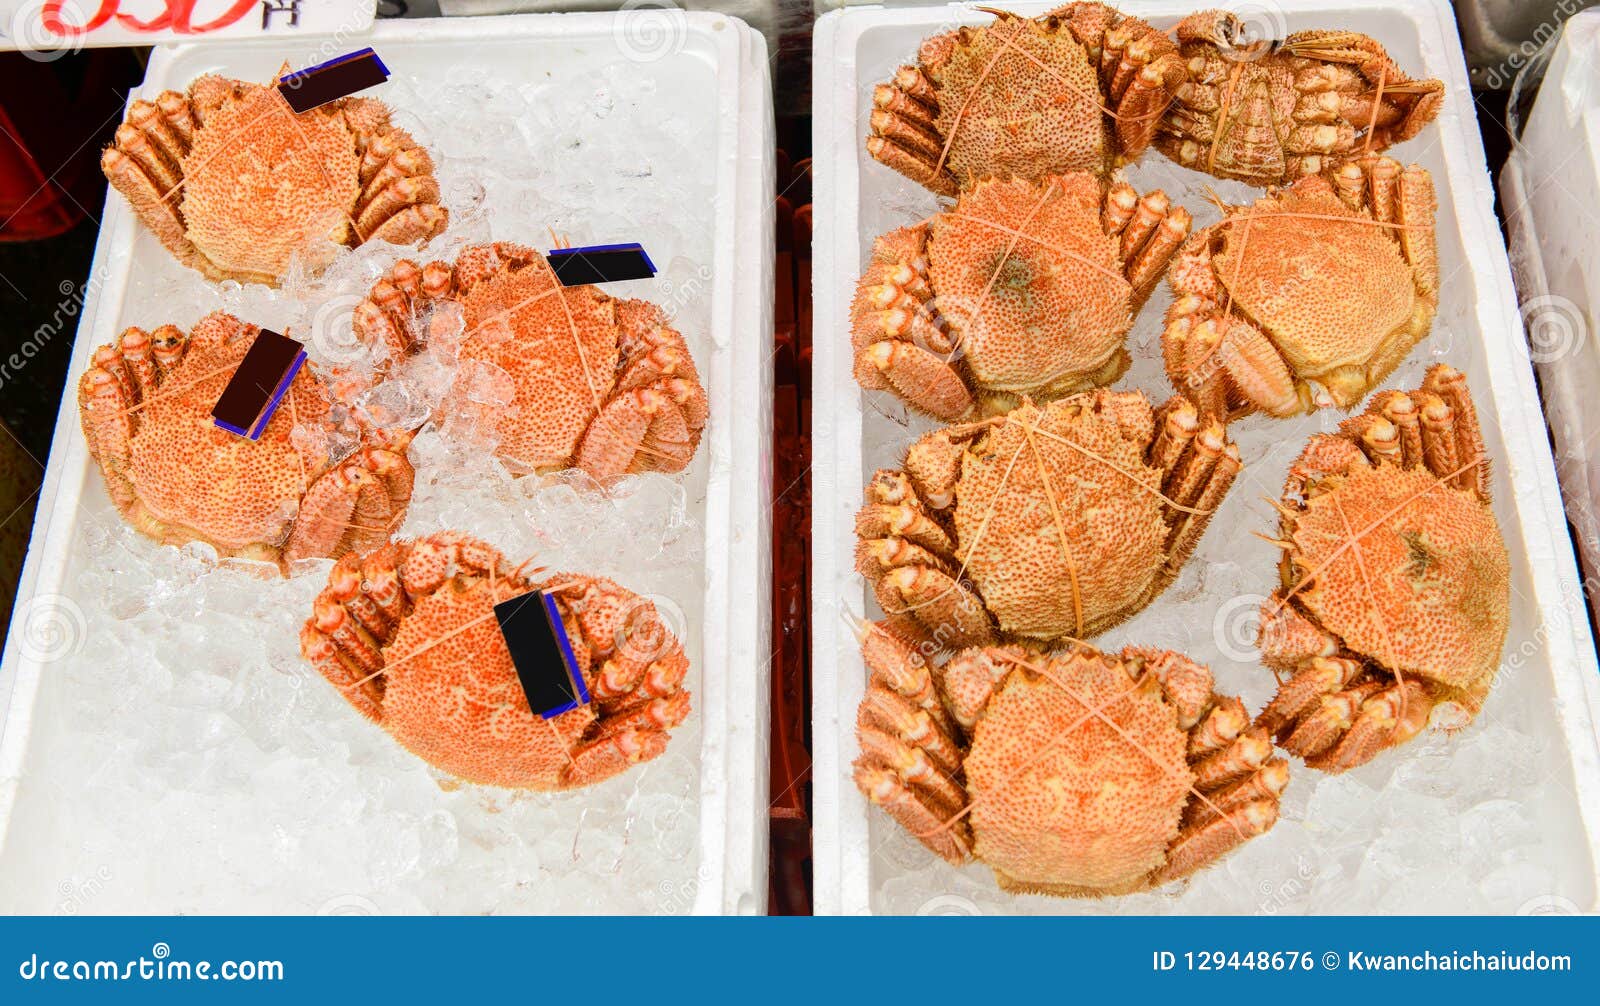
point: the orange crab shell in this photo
(1080, 88)
(1310, 296)
(261, 183)
(600, 384)
(145, 405)
(1109, 811)
(1269, 112)
(409, 636)
(1077, 773)
(1395, 601)
(1021, 289)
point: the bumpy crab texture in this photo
(145, 404)
(1020, 289)
(235, 183)
(1308, 298)
(1270, 112)
(1081, 88)
(407, 633)
(601, 384)
(1077, 773)
(1050, 522)
(1396, 584)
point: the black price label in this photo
(337, 78)
(541, 653)
(256, 388)
(601, 264)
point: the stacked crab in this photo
(241, 187)
(1054, 508)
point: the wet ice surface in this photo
(1484, 821)
(185, 759)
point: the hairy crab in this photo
(597, 383)
(1269, 112)
(1068, 518)
(145, 405)
(1081, 88)
(1396, 584)
(1307, 298)
(1020, 289)
(408, 635)
(235, 183)
(1077, 773)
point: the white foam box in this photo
(197, 774)
(1501, 817)
(1549, 189)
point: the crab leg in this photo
(909, 760)
(904, 134)
(605, 757)
(900, 342)
(1151, 230)
(1236, 790)
(657, 408)
(1198, 466)
(134, 169)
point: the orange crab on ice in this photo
(145, 405)
(1077, 773)
(408, 635)
(1021, 289)
(1081, 88)
(1396, 589)
(597, 383)
(235, 183)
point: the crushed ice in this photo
(1483, 821)
(185, 759)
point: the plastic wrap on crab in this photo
(1395, 596)
(1021, 289)
(1307, 298)
(597, 383)
(1270, 111)
(236, 183)
(1047, 523)
(1081, 88)
(1077, 773)
(317, 483)
(407, 633)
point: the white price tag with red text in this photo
(56, 25)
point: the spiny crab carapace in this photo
(1272, 111)
(1081, 88)
(145, 405)
(235, 183)
(1019, 289)
(1051, 522)
(407, 633)
(596, 383)
(1307, 298)
(1395, 599)
(1076, 773)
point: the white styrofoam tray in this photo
(725, 251)
(1404, 834)
(1549, 188)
